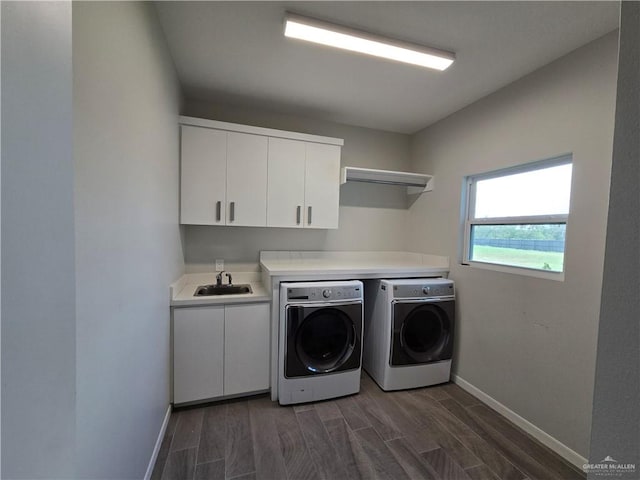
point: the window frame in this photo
(469, 201)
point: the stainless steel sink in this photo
(208, 290)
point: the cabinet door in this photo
(198, 353)
(246, 179)
(247, 346)
(322, 186)
(285, 190)
(203, 176)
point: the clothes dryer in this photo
(409, 327)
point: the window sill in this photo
(527, 272)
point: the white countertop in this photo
(310, 265)
(378, 264)
(182, 291)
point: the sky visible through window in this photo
(539, 192)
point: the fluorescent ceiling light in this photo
(316, 31)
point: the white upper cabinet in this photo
(251, 176)
(285, 199)
(246, 180)
(322, 186)
(223, 178)
(304, 184)
(203, 176)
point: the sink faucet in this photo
(219, 278)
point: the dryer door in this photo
(422, 332)
(322, 339)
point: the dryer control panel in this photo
(323, 293)
(426, 289)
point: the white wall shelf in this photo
(416, 183)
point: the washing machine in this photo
(320, 344)
(409, 326)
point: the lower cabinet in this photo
(220, 351)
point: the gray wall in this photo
(616, 414)
(519, 336)
(126, 101)
(38, 280)
(372, 217)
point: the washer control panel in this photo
(324, 293)
(426, 289)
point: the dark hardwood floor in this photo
(438, 432)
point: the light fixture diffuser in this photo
(317, 31)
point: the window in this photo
(517, 217)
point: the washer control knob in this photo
(326, 293)
(426, 290)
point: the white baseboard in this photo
(540, 435)
(156, 448)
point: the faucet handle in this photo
(228, 275)
(219, 277)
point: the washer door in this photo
(322, 339)
(422, 332)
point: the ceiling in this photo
(235, 53)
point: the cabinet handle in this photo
(232, 211)
(218, 210)
(309, 216)
(298, 211)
